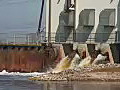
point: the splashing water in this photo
(100, 57)
(63, 65)
(5, 73)
(67, 63)
(85, 62)
(75, 62)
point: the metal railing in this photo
(84, 38)
(33, 38)
(18, 38)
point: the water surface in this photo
(10, 82)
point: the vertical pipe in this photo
(28, 40)
(49, 24)
(117, 34)
(74, 18)
(14, 39)
(41, 14)
(7, 42)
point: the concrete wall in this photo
(115, 48)
(97, 24)
(56, 10)
(99, 6)
(59, 21)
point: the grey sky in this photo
(19, 15)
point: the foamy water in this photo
(63, 65)
(76, 62)
(4, 72)
(66, 63)
(85, 62)
(100, 57)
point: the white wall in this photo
(56, 9)
(98, 5)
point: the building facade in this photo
(84, 20)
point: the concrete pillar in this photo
(90, 48)
(115, 49)
(68, 48)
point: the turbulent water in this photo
(67, 63)
(76, 62)
(63, 65)
(85, 62)
(19, 81)
(19, 74)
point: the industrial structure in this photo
(95, 23)
(86, 25)
(82, 20)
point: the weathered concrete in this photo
(115, 48)
(68, 48)
(91, 49)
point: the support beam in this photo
(49, 24)
(74, 30)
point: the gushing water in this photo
(85, 62)
(67, 63)
(100, 57)
(75, 62)
(63, 65)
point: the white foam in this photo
(85, 62)
(100, 57)
(62, 65)
(75, 62)
(4, 72)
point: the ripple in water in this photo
(17, 83)
(21, 83)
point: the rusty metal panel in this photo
(26, 59)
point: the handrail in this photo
(6, 38)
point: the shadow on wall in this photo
(106, 25)
(118, 25)
(63, 30)
(85, 26)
